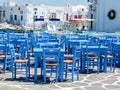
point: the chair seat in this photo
(108, 52)
(17, 54)
(68, 55)
(89, 53)
(30, 51)
(67, 61)
(92, 57)
(3, 56)
(49, 58)
(18, 46)
(108, 56)
(51, 64)
(1, 52)
(21, 61)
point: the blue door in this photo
(11, 18)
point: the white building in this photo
(107, 15)
(75, 15)
(26, 14)
(14, 14)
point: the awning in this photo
(72, 21)
(39, 19)
(79, 20)
(54, 19)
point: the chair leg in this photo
(62, 71)
(44, 73)
(4, 66)
(26, 71)
(79, 68)
(101, 62)
(114, 62)
(66, 70)
(78, 72)
(29, 68)
(93, 64)
(111, 64)
(14, 71)
(51, 71)
(78, 75)
(73, 73)
(98, 66)
(87, 66)
(57, 73)
(41, 69)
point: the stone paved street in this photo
(93, 81)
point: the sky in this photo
(49, 2)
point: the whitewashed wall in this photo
(103, 23)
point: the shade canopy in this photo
(54, 19)
(79, 20)
(39, 19)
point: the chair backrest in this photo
(12, 52)
(93, 49)
(22, 51)
(62, 41)
(47, 45)
(51, 54)
(76, 51)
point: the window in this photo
(95, 1)
(34, 17)
(18, 8)
(41, 16)
(91, 25)
(75, 16)
(11, 9)
(21, 12)
(15, 17)
(76, 25)
(21, 17)
(53, 15)
(3, 13)
(35, 12)
(35, 9)
(82, 9)
(67, 16)
(0, 13)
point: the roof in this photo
(79, 20)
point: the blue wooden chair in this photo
(4, 55)
(111, 60)
(72, 63)
(20, 63)
(51, 58)
(91, 57)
